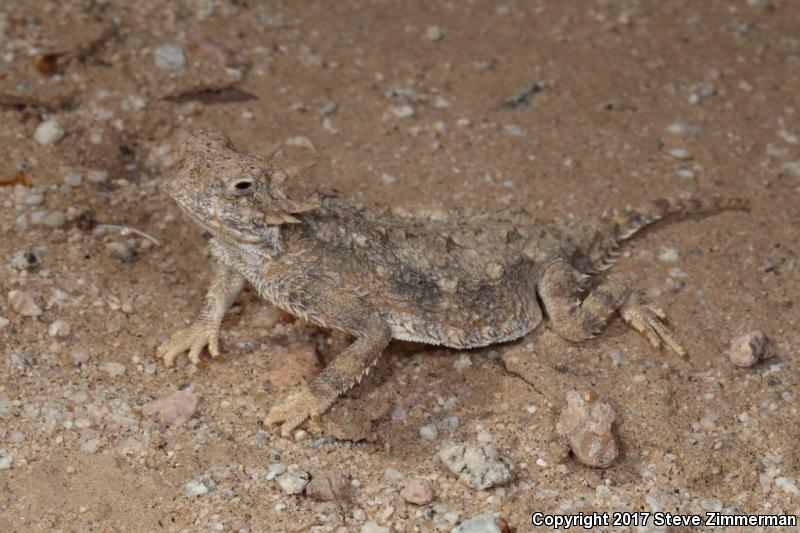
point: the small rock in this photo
(113, 369)
(480, 467)
(428, 432)
(302, 141)
(194, 488)
(79, 356)
(484, 523)
(22, 303)
(4, 322)
(586, 422)
(170, 58)
(73, 179)
(293, 481)
(679, 153)
(299, 363)
(51, 219)
(403, 111)
(418, 491)
(434, 33)
(25, 260)
(90, 446)
(5, 462)
(683, 128)
(59, 328)
(48, 132)
(668, 255)
(372, 527)
(97, 176)
(462, 361)
(173, 409)
(747, 350)
(274, 470)
(327, 486)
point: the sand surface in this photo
(409, 104)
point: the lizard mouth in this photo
(213, 223)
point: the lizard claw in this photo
(193, 339)
(648, 320)
(294, 410)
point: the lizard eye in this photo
(241, 186)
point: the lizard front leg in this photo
(345, 371)
(204, 331)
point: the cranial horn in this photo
(274, 151)
(299, 170)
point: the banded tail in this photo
(603, 248)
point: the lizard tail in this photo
(604, 246)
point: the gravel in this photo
(480, 467)
(294, 481)
(48, 132)
(418, 491)
(747, 350)
(484, 523)
(169, 58)
(23, 304)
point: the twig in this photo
(125, 230)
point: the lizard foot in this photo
(294, 410)
(648, 320)
(200, 334)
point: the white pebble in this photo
(73, 179)
(48, 132)
(403, 111)
(22, 303)
(170, 58)
(97, 176)
(113, 369)
(372, 527)
(462, 361)
(194, 488)
(682, 128)
(434, 33)
(5, 462)
(4, 322)
(59, 328)
(668, 255)
(747, 350)
(679, 153)
(428, 432)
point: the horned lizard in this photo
(459, 279)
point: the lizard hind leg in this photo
(345, 371)
(577, 317)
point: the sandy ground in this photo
(628, 101)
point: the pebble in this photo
(274, 470)
(328, 486)
(747, 350)
(418, 491)
(25, 260)
(59, 328)
(48, 132)
(450, 422)
(97, 176)
(90, 446)
(428, 432)
(484, 523)
(302, 141)
(484, 437)
(372, 527)
(300, 363)
(480, 467)
(113, 369)
(402, 111)
(682, 128)
(73, 179)
(293, 481)
(4, 322)
(792, 167)
(194, 488)
(462, 361)
(169, 58)
(434, 33)
(668, 255)
(51, 219)
(174, 409)
(79, 356)
(679, 153)
(22, 303)
(586, 422)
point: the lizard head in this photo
(232, 194)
